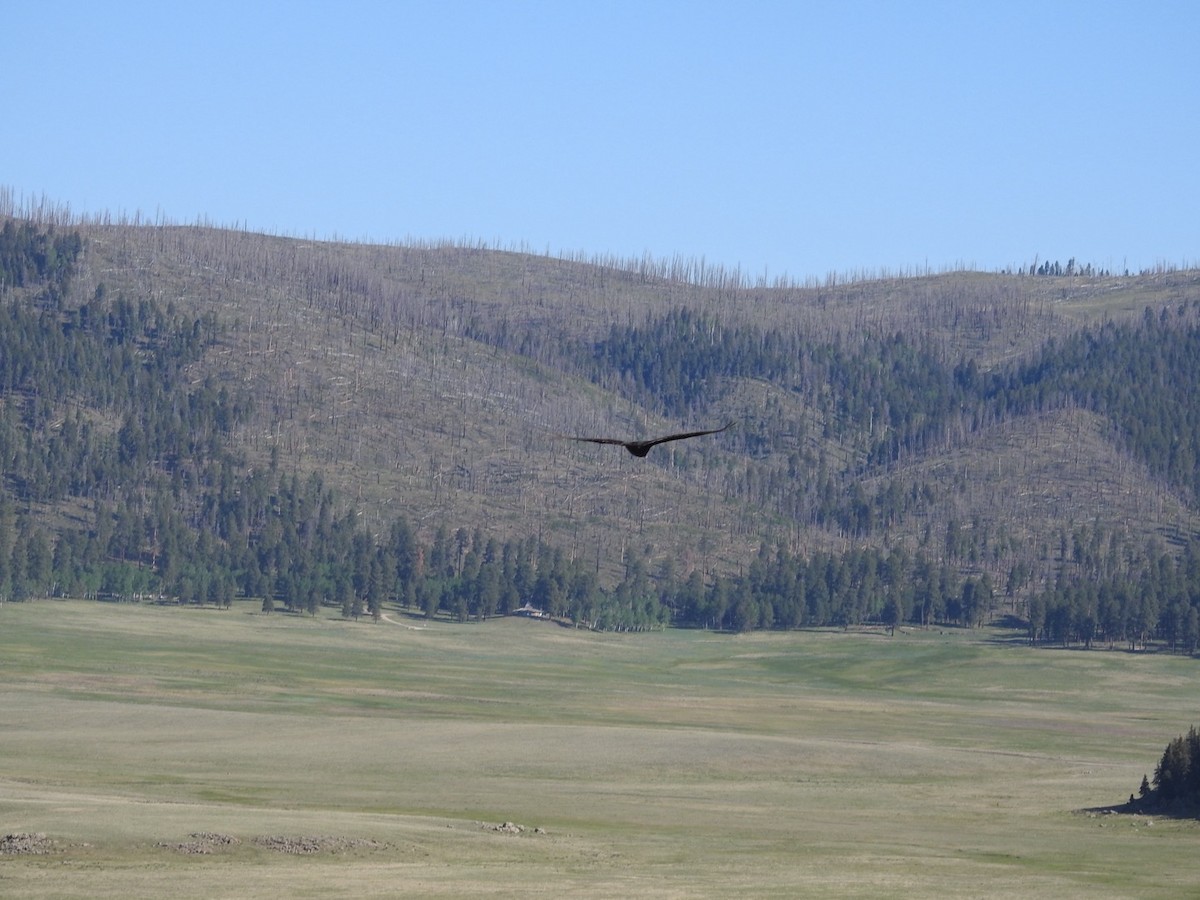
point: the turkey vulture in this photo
(641, 448)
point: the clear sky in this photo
(787, 138)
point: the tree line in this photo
(1156, 599)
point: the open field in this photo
(668, 764)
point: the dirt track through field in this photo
(386, 618)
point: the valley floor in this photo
(155, 751)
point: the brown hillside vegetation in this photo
(365, 366)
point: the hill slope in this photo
(959, 417)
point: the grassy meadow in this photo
(668, 764)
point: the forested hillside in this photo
(200, 414)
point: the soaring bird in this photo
(641, 448)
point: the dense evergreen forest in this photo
(1175, 789)
(122, 479)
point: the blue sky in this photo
(791, 139)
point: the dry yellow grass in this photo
(662, 765)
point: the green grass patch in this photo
(663, 764)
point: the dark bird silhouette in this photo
(641, 448)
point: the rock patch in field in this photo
(19, 843)
(205, 842)
(512, 828)
(315, 844)
(201, 843)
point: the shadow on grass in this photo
(1009, 630)
(1145, 806)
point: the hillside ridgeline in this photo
(201, 413)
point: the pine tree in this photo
(1171, 775)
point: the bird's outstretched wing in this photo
(641, 448)
(592, 440)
